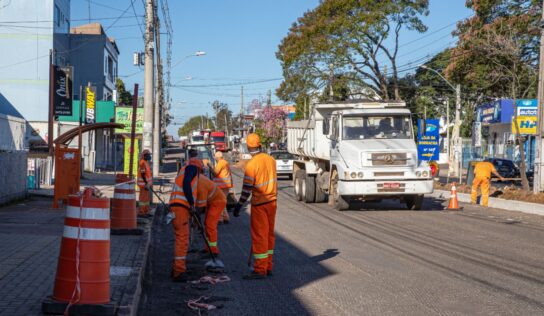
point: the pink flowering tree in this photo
(271, 126)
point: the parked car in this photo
(284, 163)
(505, 167)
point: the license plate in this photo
(391, 185)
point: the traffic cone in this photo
(454, 203)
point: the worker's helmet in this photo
(253, 140)
(218, 155)
(146, 154)
(197, 163)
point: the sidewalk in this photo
(31, 233)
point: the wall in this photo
(13, 175)
(24, 67)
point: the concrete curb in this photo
(131, 301)
(509, 205)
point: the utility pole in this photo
(148, 78)
(269, 98)
(241, 106)
(331, 82)
(455, 154)
(158, 100)
(538, 185)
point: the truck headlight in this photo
(418, 174)
(360, 175)
(425, 174)
(354, 175)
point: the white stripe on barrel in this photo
(87, 213)
(126, 186)
(124, 196)
(86, 233)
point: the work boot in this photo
(254, 276)
(207, 255)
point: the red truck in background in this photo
(219, 140)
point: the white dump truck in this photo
(358, 151)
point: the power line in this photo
(228, 84)
(72, 20)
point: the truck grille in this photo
(389, 159)
(389, 174)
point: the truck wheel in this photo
(320, 196)
(298, 185)
(340, 204)
(309, 189)
(415, 202)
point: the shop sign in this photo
(526, 124)
(123, 115)
(489, 113)
(90, 105)
(428, 140)
(62, 91)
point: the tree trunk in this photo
(521, 144)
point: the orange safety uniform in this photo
(482, 176)
(144, 176)
(260, 181)
(180, 206)
(213, 199)
(223, 179)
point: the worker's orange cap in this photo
(253, 140)
(197, 163)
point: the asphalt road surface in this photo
(382, 260)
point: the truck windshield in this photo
(377, 127)
(218, 139)
(198, 138)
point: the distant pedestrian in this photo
(145, 183)
(482, 177)
(260, 182)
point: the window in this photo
(57, 15)
(282, 155)
(377, 127)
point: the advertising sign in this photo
(428, 140)
(526, 124)
(62, 91)
(477, 134)
(123, 115)
(126, 164)
(90, 105)
(489, 113)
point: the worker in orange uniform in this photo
(482, 176)
(145, 182)
(210, 197)
(260, 181)
(182, 201)
(223, 179)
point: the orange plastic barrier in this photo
(83, 271)
(123, 204)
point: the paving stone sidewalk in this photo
(31, 233)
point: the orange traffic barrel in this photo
(83, 270)
(123, 204)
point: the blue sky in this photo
(240, 38)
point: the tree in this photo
(271, 126)
(347, 37)
(497, 54)
(124, 97)
(195, 123)
(223, 116)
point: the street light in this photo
(453, 154)
(198, 53)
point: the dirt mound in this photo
(507, 193)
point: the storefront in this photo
(494, 131)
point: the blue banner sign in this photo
(428, 139)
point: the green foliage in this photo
(195, 123)
(123, 96)
(346, 37)
(223, 116)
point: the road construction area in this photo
(379, 260)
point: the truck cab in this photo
(359, 152)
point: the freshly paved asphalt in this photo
(381, 260)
